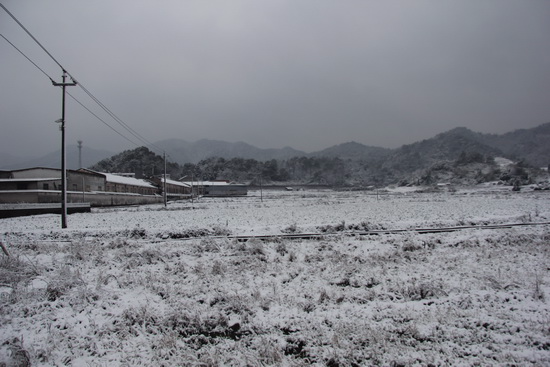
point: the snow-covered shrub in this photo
(138, 233)
(252, 247)
(411, 246)
(63, 281)
(15, 271)
(281, 248)
(218, 268)
(292, 256)
(221, 231)
(293, 228)
(209, 245)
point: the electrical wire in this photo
(119, 120)
(73, 97)
(95, 99)
(30, 35)
(100, 119)
(21, 52)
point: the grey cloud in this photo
(307, 74)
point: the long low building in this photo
(43, 185)
(218, 188)
(174, 189)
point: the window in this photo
(45, 186)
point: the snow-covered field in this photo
(149, 286)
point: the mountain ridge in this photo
(458, 156)
(530, 145)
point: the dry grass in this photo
(410, 300)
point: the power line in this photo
(21, 52)
(73, 97)
(103, 121)
(119, 120)
(95, 99)
(30, 35)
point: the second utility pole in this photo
(63, 158)
(164, 188)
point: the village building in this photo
(125, 184)
(174, 189)
(44, 185)
(218, 188)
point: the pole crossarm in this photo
(71, 84)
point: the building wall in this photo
(80, 181)
(118, 187)
(37, 173)
(94, 198)
(30, 185)
(76, 181)
(171, 189)
(226, 190)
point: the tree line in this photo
(308, 170)
(468, 167)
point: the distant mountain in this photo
(457, 156)
(532, 145)
(447, 146)
(89, 157)
(8, 161)
(182, 151)
(354, 151)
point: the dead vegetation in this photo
(399, 300)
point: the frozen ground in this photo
(152, 286)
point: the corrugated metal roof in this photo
(176, 183)
(127, 180)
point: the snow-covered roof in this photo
(126, 180)
(175, 183)
(109, 177)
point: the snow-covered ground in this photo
(152, 286)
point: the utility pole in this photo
(165, 200)
(261, 191)
(63, 158)
(79, 153)
(192, 183)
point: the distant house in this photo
(218, 188)
(43, 185)
(12, 184)
(124, 184)
(174, 189)
(42, 178)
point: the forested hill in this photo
(141, 161)
(458, 156)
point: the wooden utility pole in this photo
(79, 153)
(261, 190)
(63, 158)
(165, 198)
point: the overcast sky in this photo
(302, 73)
